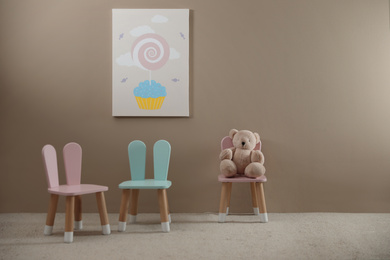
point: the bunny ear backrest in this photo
(226, 143)
(49, 156)
(137, 159)
(258, 146)
(72, 162)
(161, 156)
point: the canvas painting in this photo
(150, 51)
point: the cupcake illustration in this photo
(150, 95)
(150, 52)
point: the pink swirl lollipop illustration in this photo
(150, 51)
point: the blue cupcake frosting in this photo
(147, 90)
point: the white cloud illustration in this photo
(140, 30)
(159, 19)
(126, 60)
(173, 54)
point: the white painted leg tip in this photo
(222, 217)
(263, 217)
(106, 229)
(227, 211)
(78, 225)
(256, 211)
(169, 217)
(121, 226)
(48, 230)
(68, 237)
(132, 218)
(165, 226)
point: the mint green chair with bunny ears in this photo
(137, 159)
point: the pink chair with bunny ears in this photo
(257, 189)
(72, 190)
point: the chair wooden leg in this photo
(106, 230)
(223, 202)
(123, 210)
(261, 199)
(134, 205)
(163, 202)
(229, 195)
(51, 214)
(78, 222)
(255, 203)
(69, 218)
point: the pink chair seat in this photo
(241, 178)
(75, 190)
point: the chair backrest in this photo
(161, 156)
(227, 142)
(49, 156)
(137, 159)
(72, 162)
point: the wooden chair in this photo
(137, 158)
(72, 190)
(256, 184)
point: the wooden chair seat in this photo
(148, 184)
(241, 178)
(74, 190)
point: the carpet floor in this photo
(200, 236)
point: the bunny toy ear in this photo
(232, 133)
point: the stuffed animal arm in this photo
(227, 154)
(257, 156)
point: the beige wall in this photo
(312, 77)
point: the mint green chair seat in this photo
(145, 184)
(137, 159)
